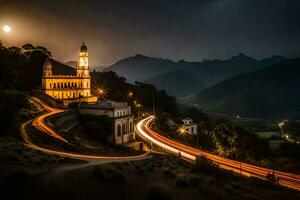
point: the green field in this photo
(268, 134)
(274, 144)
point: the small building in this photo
(189, 126)
(120, 113)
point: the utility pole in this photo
(241, 158)
(153, 102)
(197, 139)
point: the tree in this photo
(29, 49)
(14, 49)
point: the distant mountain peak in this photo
(242, 56)
(140, 56)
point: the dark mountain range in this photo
(272, 92)
(140, 68)
(183, 78)
(177, 83)
(71, 63)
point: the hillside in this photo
(140, 68)
(177, 83)
(272, 92)
(183, 78)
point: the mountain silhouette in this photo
(272, 92)
(183, 78)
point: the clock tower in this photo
(83, 66)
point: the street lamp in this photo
(181, 131)
(101, 92)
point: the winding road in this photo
(170, 146)
(39, 123)
(188, 153)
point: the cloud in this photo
(190, 29)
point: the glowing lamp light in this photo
(6, 29)
(181, 130)
(101, 91)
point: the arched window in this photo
(68, 84)
(131, 127)
(65, 85)
(124, 129)
(61, 85)
(54, 85)
(73, 94)
(118, 130)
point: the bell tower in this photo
(83, 66)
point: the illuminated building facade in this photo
(189, 126)
(120, 115)
(66, 83)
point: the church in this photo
(66, 83)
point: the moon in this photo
(6, 28)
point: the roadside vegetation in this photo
(162, 177)
(140, 96)
(224, 138)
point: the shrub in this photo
(182, 182)
(204, 165)
(195, 180)
(159, 192)
(108, 175)
(98, 127)
(169, 173)
(98, 172)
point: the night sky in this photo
(180, 29)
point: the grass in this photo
(274, 144)
(268, 134)
(171, 178)
(159, 192)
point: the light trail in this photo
(40, 125)
(285, 179)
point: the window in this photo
(131, 127)
(54, 85)
(123, 129)
(118, 130)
